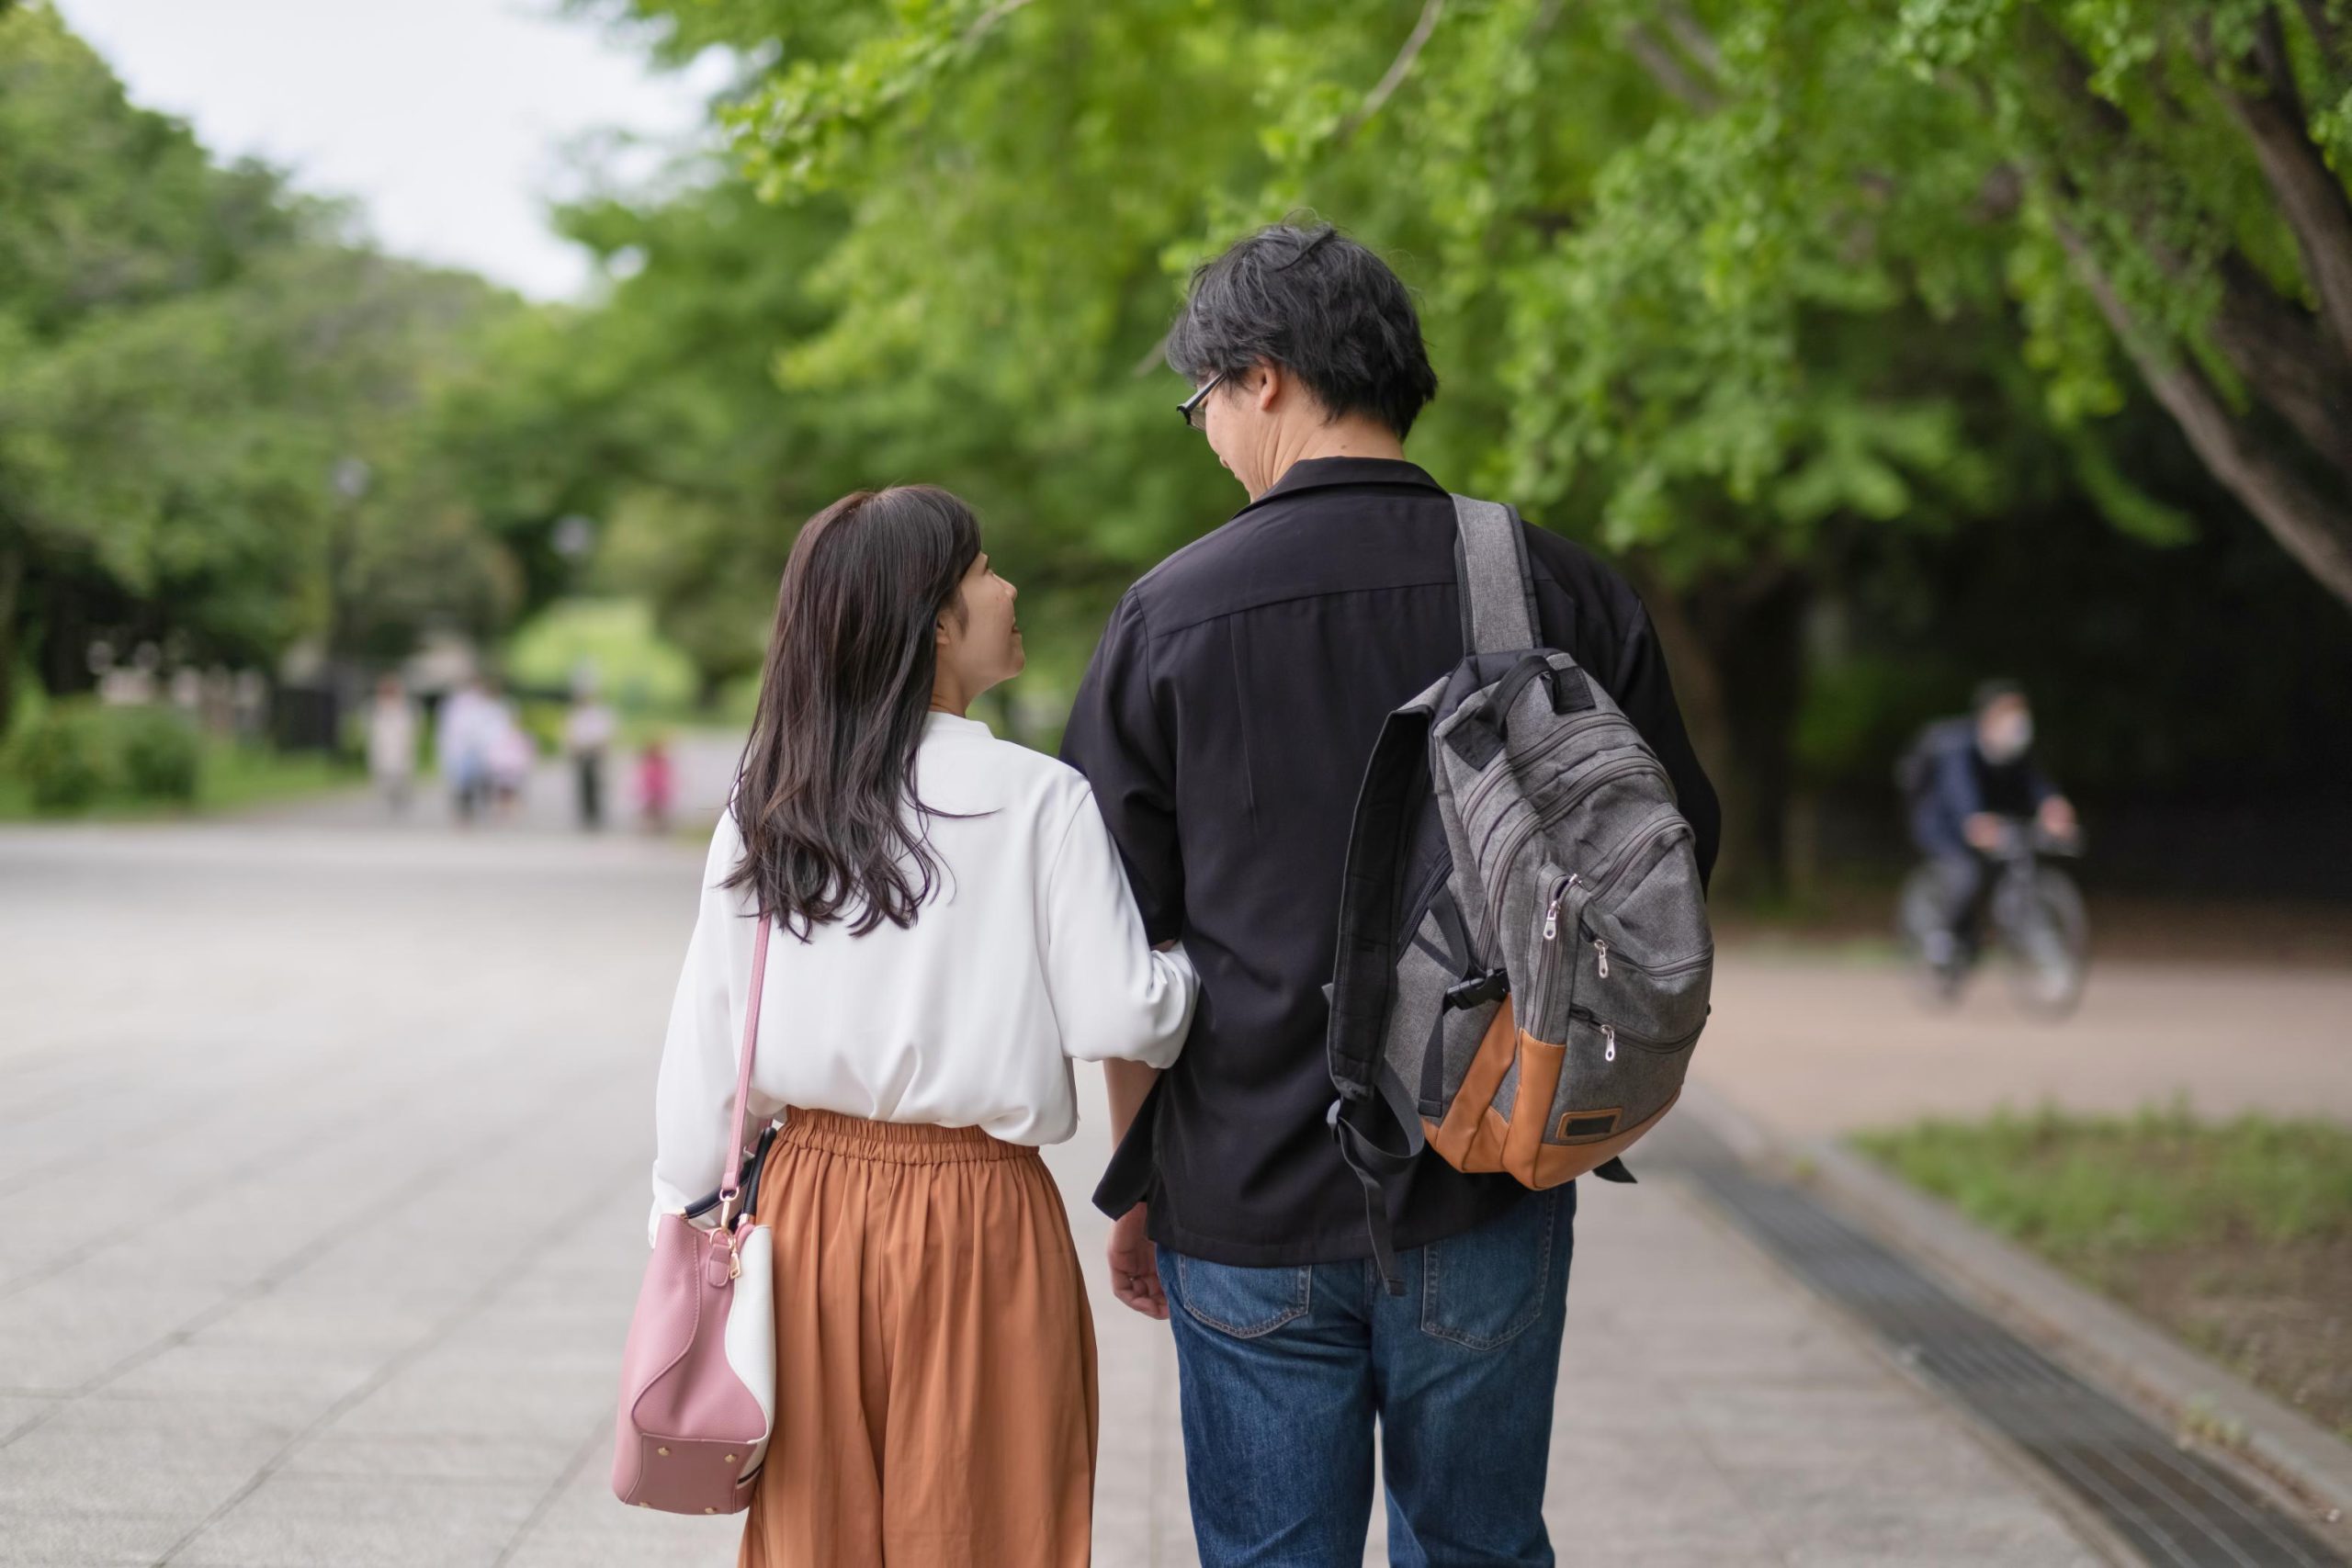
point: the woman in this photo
(961, 928)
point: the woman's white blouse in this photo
(1029, 954)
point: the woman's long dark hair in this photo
(825, 794)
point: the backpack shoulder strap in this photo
(1497, 588)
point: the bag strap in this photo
(731, 1186)
(1378, 1137)
(1497, 588)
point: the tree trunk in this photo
(12, 579)
(2307, 192)
(2296, 365)
(2313, 528)
(1736, 650)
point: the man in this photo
(1225, 724)
(588, 731)
(1970, 779)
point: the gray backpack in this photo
(1523, 955)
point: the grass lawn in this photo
(2237, 1237)
(231, 776)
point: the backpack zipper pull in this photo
(1608, 1043)
(1600, 946)
(1551, 910)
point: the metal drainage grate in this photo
(2173, 1507)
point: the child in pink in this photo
(655, 785)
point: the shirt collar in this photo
(937, 723)
(1323, 473)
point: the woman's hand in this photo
(1135, 1266)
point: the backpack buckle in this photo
(1478, 990)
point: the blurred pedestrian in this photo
(587, 735)
(656, 784)
(391, 743)
(512, 752)
(468, 719)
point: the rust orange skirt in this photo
(936, 1402)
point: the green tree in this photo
(658, 413)
(1726, 289)
(104, 208)
(189, 357)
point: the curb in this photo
(2224, 1414)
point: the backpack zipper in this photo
(1611, 1034)
(1547, 978)
(1658, 972)
(1623, 863)
(1633, 851)
(1654, 971)
(1527, 829)
(1488, 784)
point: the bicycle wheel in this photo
(1919, 918)
(2047, 933)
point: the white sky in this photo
(446, 118)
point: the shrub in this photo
(65, 758)
(77, 754)
(160, 754)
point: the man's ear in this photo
(1271, 384)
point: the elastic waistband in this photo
(895, 1143)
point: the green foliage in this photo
(1715, 283)
(634, 670)
(64, 757)
(160, 755)
(2083, 1186)
(77, 754)
(189, 355)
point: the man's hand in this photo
(2058, 816)
(1984, 831)
(1135, 1266)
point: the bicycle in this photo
(2035, 913)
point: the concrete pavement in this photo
(321, 1153)
(1812, 1044)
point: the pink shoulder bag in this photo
(698, 1377)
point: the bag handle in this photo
(730, 1184)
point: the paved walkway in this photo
(1814, 1045)
(322, 1156)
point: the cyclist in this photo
(1967, 780)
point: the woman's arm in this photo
(694, 1092)
(1115, 998)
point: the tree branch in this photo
(2326, 30)
(1696, 41)
(2270, 343)
(2315, 532)
(1398, 69)
(2283, 353)
(1667, 70)
(988, 18)
(2311, 198)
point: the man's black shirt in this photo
(1225, 724)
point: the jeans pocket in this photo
(1484, 1287)
(1242, 1302)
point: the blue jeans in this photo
(1284, 1371)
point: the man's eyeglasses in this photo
(1195, 408)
